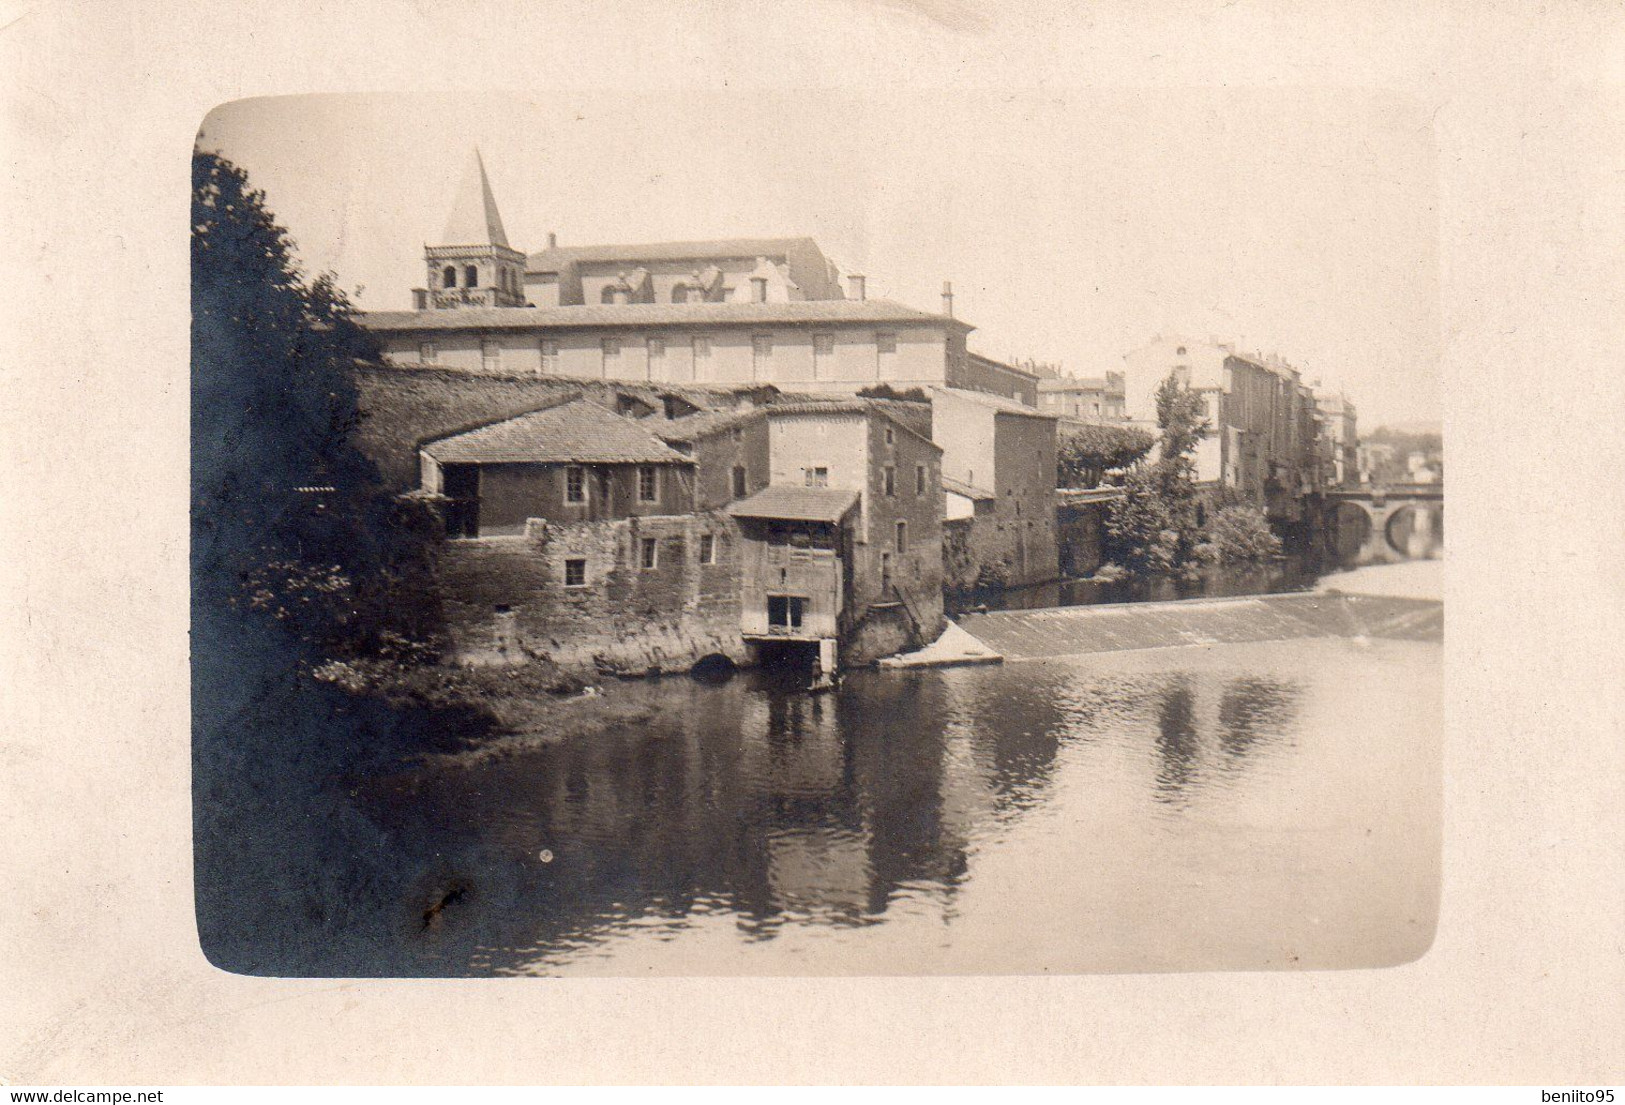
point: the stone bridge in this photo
(1382, 525)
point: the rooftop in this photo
(1074, 383)
(786, 502)
(556, 258)
(968, 490)
(995, 402)
(654, 314)
(696, 426)
(886, 408)
(569, 432)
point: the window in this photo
(1180, 352)
(427, 351)
(679, 293)
(919, 479)
(891, 436)
(702, 345)
(471, 276)
(885, 571)
(758, 289)
(575, 573)
(816, 477)
(491, 354)
(550, 354)
(761, 353)
(648, 552)
(902, 538)
(657, 348)
(890, 474)
(448, 276)
(708, 548)
(785, 611)
(575, 484)
(648, 483)
(739, 481)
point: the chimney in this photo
(552, 240)
(948, 298)
(855, 284)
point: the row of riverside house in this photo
(646, 455)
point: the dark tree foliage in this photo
(291, 877)
(273, 420)
(1153, 527)
(1084, 453)
(886, 391)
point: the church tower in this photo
(475, 267)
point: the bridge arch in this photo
(1384, 525)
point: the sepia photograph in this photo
(816, 534)
(865, 543)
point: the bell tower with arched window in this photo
(475, 266)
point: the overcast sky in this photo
(1074, 226)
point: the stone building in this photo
(1086, 399)
(573, 534)
(768, 310)
(844, 547)
(1341, 441)
(1263, 446)
(998, 463)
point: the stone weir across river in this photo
(1079, 630)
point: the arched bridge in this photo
(1381, 525)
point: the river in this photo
(1264, 805)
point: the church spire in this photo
(473, 266)
(475, 220)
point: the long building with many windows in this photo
(732, 311)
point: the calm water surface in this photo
(1269, 805)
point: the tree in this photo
(1237, 534)
(1085, 452)
(291, 525)
(1153, 527)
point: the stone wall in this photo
(1081, 531)
(506, 599)
(959, 564)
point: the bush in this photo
(1238, 534)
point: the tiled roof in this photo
(704, 424)
(575, 431)
(995, 402)
(849, 406)
(653, 314)
(970, 491)
(555, 259)
(796, 504)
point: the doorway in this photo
(461, 484)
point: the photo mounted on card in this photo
(816, 534)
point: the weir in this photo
(1080, 630)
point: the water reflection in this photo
(778, 809)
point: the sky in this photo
(1074, 226)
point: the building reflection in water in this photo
(773, 808)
